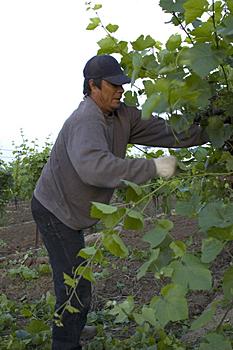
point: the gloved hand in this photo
(165, 166)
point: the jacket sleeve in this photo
(157, 133)
(89, 154)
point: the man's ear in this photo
(92, 85)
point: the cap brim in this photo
(118, 79)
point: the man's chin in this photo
(116, 106)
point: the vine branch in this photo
(183, 27)
(217, 43)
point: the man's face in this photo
(108, 97)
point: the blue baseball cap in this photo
(107, 68)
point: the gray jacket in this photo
(87, 160)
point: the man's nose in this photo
(120, 88)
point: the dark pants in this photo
(63, 244)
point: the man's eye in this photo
(113, 85)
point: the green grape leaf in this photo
(113, 219)
(172, 6)
(158, 233)
(227, 157)
(215, 341)
(194, 9)
(138, 318)
(179, 248)
(201, 58)
(221, 233)
(150, 64)
(143, 43)
(215, 130)
(133, 192)
(36, 326)
(173, 42)
(134, 220)
(194, 83)
(69, 281)
(206, 316)
(114, 244)
(228, 284)
(150, 87)
(93, 24)
(107, 45)
(211, 247)
(229, 163)
(215, 214)
(186, 208)
(171, 306)
(137, 63)
(109, 215)
(71, 309)
(97, 7)
(131, 98)
(227, 26)
(230, 5)
(123, 310)
(91, 252)
(44, 269)
(191, 273)
(204, 32)
(201, 154)
(122, 46)
(86, 272)
(148, 315)
(112, 28)
(145, 267)
(87, 252)
(150, 105)
(98, 210)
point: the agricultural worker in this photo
(86, 164)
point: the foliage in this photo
(18, 178)
(191, 77)
(5, 186)
(25, 324)
(27, 165)
(29, 273)
(36, 334)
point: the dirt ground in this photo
(18, 243)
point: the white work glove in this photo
(165, 166)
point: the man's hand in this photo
(165, 166)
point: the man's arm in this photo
(89, 153)
(156, 132)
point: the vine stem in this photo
(207, 174)
(214, 24)
(107, 32)
(230, 306)
(77, 281)
(217, 43)
(140, 149)
(183, 27)
(225, 76)
(91, 260)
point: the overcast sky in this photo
(44, 47)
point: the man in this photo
(86, 164)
